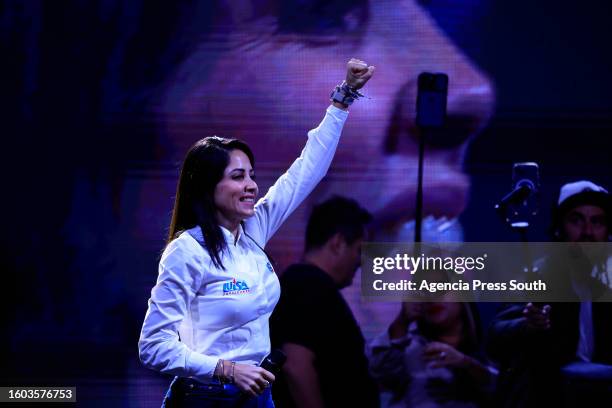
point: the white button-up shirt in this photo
(199, 313)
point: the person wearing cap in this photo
(532, 343)
(582, 213)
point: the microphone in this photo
(521, 204)
(274, 362)
(518, 195)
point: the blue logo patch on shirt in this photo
(235, 287)
(269, 266)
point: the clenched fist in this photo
(358, 73)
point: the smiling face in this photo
(236, 193)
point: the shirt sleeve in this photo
(301, 178)
(180, 275)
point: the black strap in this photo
(270, 258)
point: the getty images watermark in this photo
(495, 272)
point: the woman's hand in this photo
(358, 73)
(252, 380)
(409, 312)
(443, 355)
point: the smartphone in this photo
(431, 99)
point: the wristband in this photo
(344, 94)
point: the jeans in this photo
(187, 393)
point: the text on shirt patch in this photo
(235, 287)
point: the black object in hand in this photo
(274, 361)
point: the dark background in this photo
(75, 79)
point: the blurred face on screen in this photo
(269, 85)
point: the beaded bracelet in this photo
(232, 378)
(219, 368)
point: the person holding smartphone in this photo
(432, 356)
(533, 342)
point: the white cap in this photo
(571, 189)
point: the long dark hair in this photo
(194, 203)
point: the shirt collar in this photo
(229, 237)
(196, 232)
